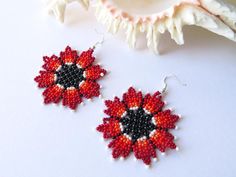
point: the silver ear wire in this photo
(168, 77)
(99, 42)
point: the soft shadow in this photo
(141, 43)
(196, 37)
(75, 14)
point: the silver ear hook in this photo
(99, 42)
(165, 82)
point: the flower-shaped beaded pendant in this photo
(138, 123)
(70, 77)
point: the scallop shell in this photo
(154, 17)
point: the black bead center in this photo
(137, 124)
(70, 76)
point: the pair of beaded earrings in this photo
(136, 123)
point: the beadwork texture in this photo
(70, 77)
(138, 123)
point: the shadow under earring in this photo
(70, 77)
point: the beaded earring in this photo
(70, 77)
(139, 123)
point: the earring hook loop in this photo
(169, 77)
(99, 42)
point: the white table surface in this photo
(51, 141)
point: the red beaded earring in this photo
(70, 77)
(139, 123)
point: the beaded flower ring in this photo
(138, 123)
(70, 77)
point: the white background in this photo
(52, 141)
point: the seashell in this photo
(154, 17)
(57, 7)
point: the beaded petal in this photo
(138, 123)
(70, 77)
